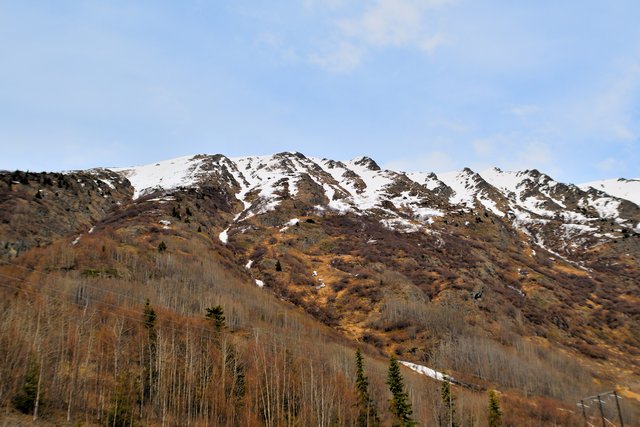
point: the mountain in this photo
(450, 272)
(568, 216)
(623, 188)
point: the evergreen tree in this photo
(175, 212)
(278, 266)
(149, 315)
(495, 414)
(367, 411)
(235, 367)
(150, 373)
(448, 400)
(121, 411)
(162, 247)
(217, 315)
(25, 400)
(399, 404)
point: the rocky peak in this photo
(366, 162)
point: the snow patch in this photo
(463, 187)
(400, 224)
(431, 373)
(605, 206)
(290, 223)
(224, 236)
(109, 183)
(164, 175)
(628, 189)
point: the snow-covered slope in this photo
(531, 201)
(163, 175)
(628, 189)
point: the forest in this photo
(107, 332)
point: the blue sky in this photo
(432, 85)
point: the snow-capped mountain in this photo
(565, 215)
(362, 249)
(623, 188)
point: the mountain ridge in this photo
(529, 198)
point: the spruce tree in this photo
(149, 315)
(367, 411)
(25, 400)
(399, 404)
(150, 373)
(237, 387)
(217, 315)
(278, 266)
(495, 414)
(449, 405)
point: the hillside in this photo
(505, 280)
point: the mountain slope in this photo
(450, 271)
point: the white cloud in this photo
(384, 24)
(622, 131)
(344, 58)
(607, 112)
(430, 44)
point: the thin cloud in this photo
(387, 23)
(607, 112)
(430, 44)
(346, 57)
(384, 24)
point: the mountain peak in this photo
(366, 162)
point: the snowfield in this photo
(628, 189)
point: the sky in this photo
(418, 85)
